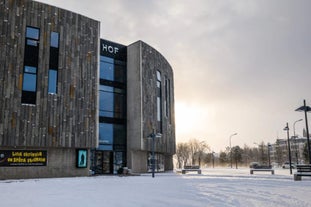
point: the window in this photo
(167, 98)
(119, 73)
(52, 88)
(158, 109)
(54, 39)
(53, 65)
(112, 70)
(106, 71)
(111, 134)
(31, 58)
(111, 102)
(32, 36)
(119, 134)
(159, 102)
(105, 133)
(158, 79)
(30, 79)
(32, 33)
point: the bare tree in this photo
(194, 151)
(182, 154)
(198, 151)
(194, 146)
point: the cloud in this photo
(244, 64)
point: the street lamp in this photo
(230, 148)
(213, 157)
(201, 149)
(306, 109)
(269, 160)
(153, 135)
(289, 153)
(296, 140)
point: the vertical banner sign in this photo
(23, 158)
(81, 158)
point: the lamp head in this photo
(304, 108)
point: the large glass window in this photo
(110, 134)
(112, 70)
(112, 107)
(32, 36)
(29, 83)
(159, 161)
(158, 79)
(106, 71)
(167, 98)
(159, 102)
(106, 68)
(158, 109)
(105, 133)
(119, 134)
(119, 72)
(54, 39)
(53, 71)
(111, 102)
(31, 58)
(32, 33)
(52, 81)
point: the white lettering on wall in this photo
(110, 49)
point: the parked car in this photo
(286, 165)
(254, 165)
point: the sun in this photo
(190, 119)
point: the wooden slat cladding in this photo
(67, 118)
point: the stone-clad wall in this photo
(143, 62)
(68, 118)
(152, 61)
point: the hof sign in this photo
(23, 158)
(113, 50)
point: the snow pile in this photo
(215, 187)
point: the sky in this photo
(239, 66)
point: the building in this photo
(71, 102)
(135, 97)
(279, 150)
(150, 96)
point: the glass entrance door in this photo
(103, 162)
(107, 162)
(98, 162)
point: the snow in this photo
(214, 187)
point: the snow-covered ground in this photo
(215, 187)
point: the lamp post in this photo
(289, 153)
(269, 160)
(306, 108)
(296, 140)
(257, 151)
(201, 150)
(230, 148)
(153, 135)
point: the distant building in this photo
(279, 150)
(71, 102)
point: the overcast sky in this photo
(240, 66)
